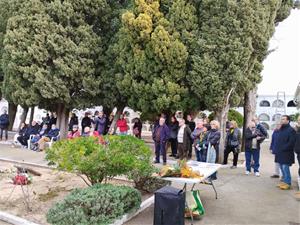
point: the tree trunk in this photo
(23, 117)
(249, 111)
(31, 114)
(62, 113)
(222, 117)
(12, 111)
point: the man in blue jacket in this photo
(285, 151)
(160, 136)
(4, 123)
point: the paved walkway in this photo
(20, 154)
(244, 199)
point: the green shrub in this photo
(236, 116)
(100, 204)
(232, 115)
(121, 156)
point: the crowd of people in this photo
(184, 137)
(203, 138)
(36, 135)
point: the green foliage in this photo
(99, 205)
(150, 60)
(294, 117)
(236, 116)
(51, 49)
(123, 155)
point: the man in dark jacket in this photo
(252, 147)
(183, 138)
(160, 136)
(273, 149)
(52, 134)
(4, 123)
(285, 151)
(297, 151)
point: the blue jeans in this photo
(252, 154)
(160, 149)
(200, 155)
(285, 169)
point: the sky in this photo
(282, 67)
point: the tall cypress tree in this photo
(50, 52)
(151, 60)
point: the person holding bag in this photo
(212, 141)
(233, 141)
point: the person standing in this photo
(212, 141)
(197, 137)
(192, 126)
(122, 125)
(73, 121)
(233, 142)
(200, 147)
(100, 121)
(160, 136)
(252, 148)
(285, 151)
(260, 127)
(86, 121)
(273, 149)
(183, 139)
(174, 127)
(4, 123)
(297, 151)
(137, 128)
(108, 128)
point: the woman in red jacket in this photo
(122, 125)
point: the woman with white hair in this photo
(183, 138)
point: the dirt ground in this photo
(44, 191)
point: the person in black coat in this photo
(285, 151)
(73, 121)
(297, 151)
(86, 121)
(192, 126)
(254, 138)
(4, 123)
(174, 127)
(233, 142)
(137, 128)
(32, 130)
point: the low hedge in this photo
(100, 204)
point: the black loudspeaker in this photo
(169, 206)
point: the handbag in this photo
(136, 131)
(211, 154)
(234, 143)
(194, 207)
